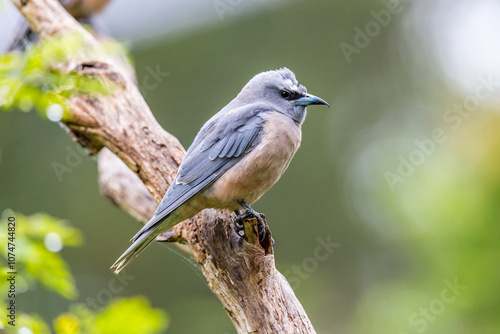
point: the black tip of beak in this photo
(309, 100)
(325, 103)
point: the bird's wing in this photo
(219, 145)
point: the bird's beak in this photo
(309, 99)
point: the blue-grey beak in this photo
(309, 99)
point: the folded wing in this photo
(220, 144)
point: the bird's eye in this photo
(285, 94)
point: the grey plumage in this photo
(237, 155)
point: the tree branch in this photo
(240, 271)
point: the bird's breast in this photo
(258, 171)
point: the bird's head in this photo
(280, 90)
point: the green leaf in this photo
(35, 79)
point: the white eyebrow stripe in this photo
(290, 86)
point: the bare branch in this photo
(49, 18)
(130, 193)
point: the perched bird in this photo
(236, 157)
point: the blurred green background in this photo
(401, 174)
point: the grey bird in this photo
(238, 155)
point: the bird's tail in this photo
(158, 224)
(142, 241)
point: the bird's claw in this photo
(262, 228)
(239, 227)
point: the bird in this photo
(238, 155)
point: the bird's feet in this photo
(250, 213)
(239, 228)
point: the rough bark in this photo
(240, 271)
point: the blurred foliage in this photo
(33, 79)
(34, 262)
(122, 315)
(33, 322)
(133, 315)
(450, 203)
(38, 239)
